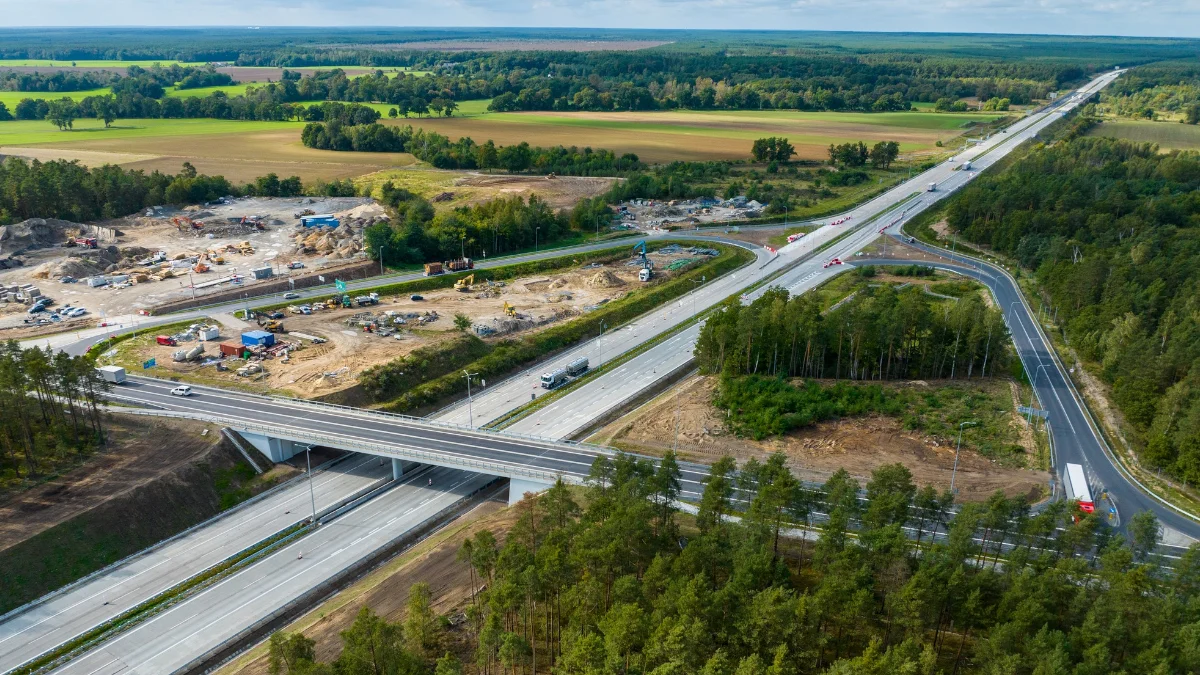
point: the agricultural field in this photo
(238, 150)
(451, 189)
(703, 135)
(1168, 135)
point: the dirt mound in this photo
(605, 279)
(81, 263)
(36, 233)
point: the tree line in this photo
(1109, 227)
(147, 81)
(465, 153)
(50, 408)
(611, 580)
(881, 333)
(71, 191)
(854, 155)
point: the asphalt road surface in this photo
(68, 614)
(187, 631)
(599, 396)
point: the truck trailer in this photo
(554, 379)
(577, 367)
(112, 374)
(1077, 488)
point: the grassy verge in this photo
(145, 610)
(511, 355)
(98, 350)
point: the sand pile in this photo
(605, 279)
(36, 233)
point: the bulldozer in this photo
(333, 303)
(464, 284)
(273, 326)
(509, 310)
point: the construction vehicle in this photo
(200, 268)
(86, 242)
(459, 264)
(346, 301)
(464, 284)
(645, 274)
(364, 300)
(273, 326)
(433, 268)
(509, 310)
(332, 303)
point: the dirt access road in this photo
(857, 445)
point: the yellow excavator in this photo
(464, 284)
(509, 310)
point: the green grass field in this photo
(11, 98)
(1168, 135)
(33, 132)
(229, 90)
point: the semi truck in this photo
(1077, 488)
(554, 379)
(460, 264)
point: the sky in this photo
(1177, 18)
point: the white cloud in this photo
(1108, 17)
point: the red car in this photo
(835, 261)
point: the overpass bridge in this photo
(280, 428)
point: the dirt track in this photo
(859, 445)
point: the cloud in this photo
(1110, 17)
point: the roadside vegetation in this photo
(610, 579)
(1106, 226)
(51, 419)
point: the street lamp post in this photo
(957, 448)
(535, 238)
(311, 493)
(600, 345)
(470, 408)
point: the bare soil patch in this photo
(386, 590)
(136, 455)
(857, 445)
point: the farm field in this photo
(702, 135)
(1168, 135)
(237, 150)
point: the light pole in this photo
(600, 345)
(1032, 390)
(311, 494)
(702, 280)
(958, 447)
(535, 239)
(192, 284)
(470, 409)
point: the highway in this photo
(189, 630)
(583, 405)
(1075, 439)
(79, 608)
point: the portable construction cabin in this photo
(231, 349)
(262, 273)
(258, 338)
(322, 220)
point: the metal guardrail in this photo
(491, 467)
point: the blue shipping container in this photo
(319, 221)
(258, 338)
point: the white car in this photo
(290, 296)
(76, 311)
(182, 390)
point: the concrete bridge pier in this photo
(517, 487)
(276, 449)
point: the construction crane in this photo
(464, 284)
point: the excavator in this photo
(464, 284)
(509, 310)
(647, 272)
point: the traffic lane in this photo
(65, 616)
(173, 638)
(374, 428)
(501, 398)
(1074, 438)
(608, 391)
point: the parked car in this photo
(182, 390)
(416, 298)
(275, 315)
(290, 296)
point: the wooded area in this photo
(1111, 229)
(614, 581)
(50, 409)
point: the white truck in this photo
(932, 187)
(112, 374)
(1077, 488)
(554, 379)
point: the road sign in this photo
(339, 284)
(1026, 410)
(147, 365)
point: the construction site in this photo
(319, 348)
(133, 264)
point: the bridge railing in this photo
(397, 450)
